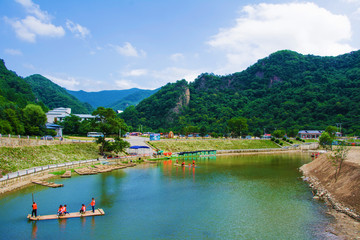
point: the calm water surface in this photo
(230, 197)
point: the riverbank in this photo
(342, 196)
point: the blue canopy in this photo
(137, 147)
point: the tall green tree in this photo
(71, 124)
(34, 119)
(238, 126)
(109, 123)
(325, 140)
(331, 130)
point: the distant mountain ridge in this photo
(115, 99)
(54, 96)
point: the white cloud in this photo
(266, 28)
(77, 29)
(177, 57)
(34, 9)
(66, 82)
(36, 24)
(128, 50)
(172, 74)
(14, 52)
(126, 84)
(135, 73)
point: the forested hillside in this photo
(115, 99)
(286, 91)
(54, 96)
(20, 113)
(131, 99)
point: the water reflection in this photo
(34, 230)
(110, 185)
(62, 224)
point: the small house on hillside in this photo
(266, 136)
(310, 134)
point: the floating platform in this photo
(86, 171)
(47, 184)
(108, 168)
(98, 212)
(67, 174)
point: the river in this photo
(228, 197)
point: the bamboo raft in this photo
(67, 174)
(86, 171)
(47, 184)
(98, 212)
(108, 168)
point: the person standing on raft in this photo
(93, 204)
(83, 209)
(34, 209)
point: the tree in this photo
(278, 133)
(34, 119)
(325, 140)
(331, 130)
(203, 131)
(119, 145)
(337, 158)
(71, 124)
(238, 126)
(109, 123)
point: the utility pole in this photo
(339, 124)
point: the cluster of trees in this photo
(19, 111)
(286, 91)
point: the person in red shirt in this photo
(83, 209)
(93, 204)
(65, 210)
(34, 209)
(60, 211)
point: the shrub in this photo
(272, 139)
(281, 143)
(284, 138)
(277, 141)
(291, 142)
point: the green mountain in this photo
(54, 96)
(19, 114)
(131, 99)
(115, 99)
(285, 90)
(14, 89)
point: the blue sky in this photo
(98, 45)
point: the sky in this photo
(95, 45)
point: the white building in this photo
(58, 115)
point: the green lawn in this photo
(13, 159)
(216, 144)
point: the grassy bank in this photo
(215, 144)
(13, 159)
